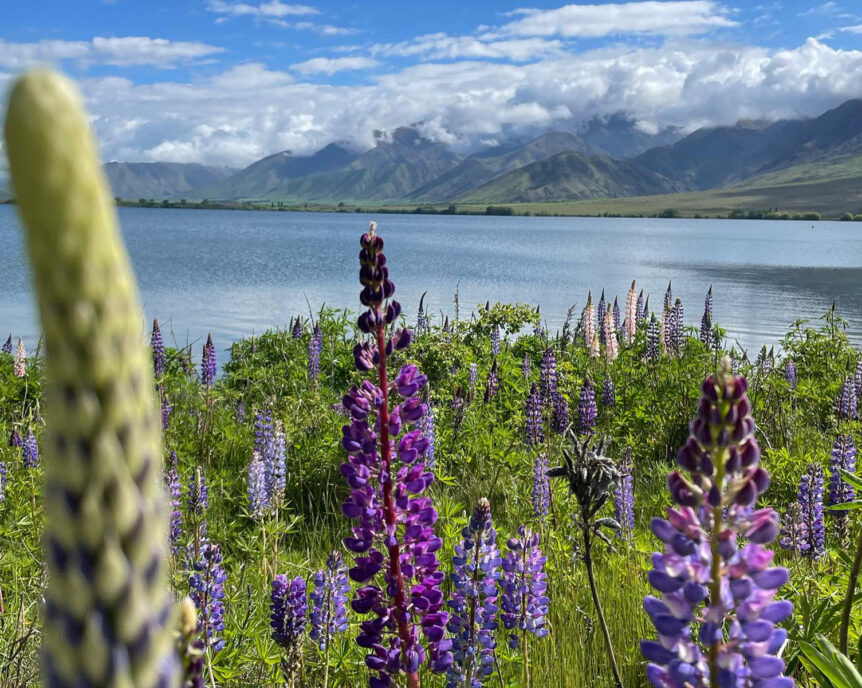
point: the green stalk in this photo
(851, 593)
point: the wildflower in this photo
(541, 486)
(668, 298)
(196, 501)
(492, 383)
(631, 313)
(158, 350)
(609, 394)
(172, 482)
(473, 374)
(610, 338)
(525, 367)
(587, 411)
(600, 313)
(794, 530)
(810, 499)
(560, 419)
(206, 588)
(524, 603)
(296, 331)
(421, 316)
(840, 491)
(263, 431)
(2, 481)
(315, 346)
(274, 468)
(534, 426)
(704, 564)
(258, 498)
(473, 619)
(595, 347)
(15, 438)
(676, 328)
(706, 320)
(495, 341)
(426, 426)
(166, 412)
(857, 379)
(30, 450)
(239, 411)
(624, 497)
(328, 615)
(20, 359)
(7, 345)
(845, 404)
(653, 339)
(548, 377)
(208, 363)
(790, 373)
(288, 604)
(640, 310)
(589, 318)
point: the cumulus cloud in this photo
(331, 65)
(441, 46)
(673, 18)
(123, 51)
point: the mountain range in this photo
(604, 158)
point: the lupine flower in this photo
(196, 501)
(857, 379)
(595, 347)
(15, 438)
(158, 348)
(794, 531)
(810, 499)
(263, 430)
(560, 419)
(421, 316)
(524, 603)
(845, 404)
(288, 605)
(589, 318)
(548, 377)
(790, 373)
(611, 346)
(426, 426)
(668, 298)
(525, 367)
(534, 426)
(473, 374)
(20, 359)
(495, 341)
(206, 588)
(208, 363)
(666, 328)
(172, 482)
(393, 527)
(624, 496)
(631, 323)
(616, 313)
(7, 345)
(315, 346)
(653, 340)
(675, 334)
(166, 412)
(587, 411)
(840, 491)
(275, 471)
(473, 619)
(2, 481)
(239, 411)
(328, 615)
(492, 383)
(30, 450)
(641, 309)
(600, 325)
(731, 598)
(258, 497)
(296, 332)
(706, 320)
(609, 394)
(541, 486)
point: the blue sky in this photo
(227, 81)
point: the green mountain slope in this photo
(134, 180)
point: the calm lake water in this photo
(235, 273)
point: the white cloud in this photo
(440, 46)
(331, 65)
(122, 51)
(674, 18)
(264, 9)
(852, 29)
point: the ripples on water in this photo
(239, 272)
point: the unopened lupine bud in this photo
(20, 367)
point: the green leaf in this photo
(835, 666)
(851, 478)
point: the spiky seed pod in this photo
(107, 603)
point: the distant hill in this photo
(161, 180)
(569, 175)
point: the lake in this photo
(235, 273)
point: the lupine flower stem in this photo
(851, 593)
(588, 562)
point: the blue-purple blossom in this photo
(426, 425)
(495, 341)
(534, 432)
(560, 417)
(640, 311)
(288, 605)
(158, 347)
(258, 497)
(706, 320)
(857, 379)
(548, 377)
(492, 383)
(676, 328)
(7, 345)
(526, 366)
(600, 314)
(845, 404)
(524, 602)
(616, 316)
(609, 393)
(208, 363)
(206, 588)
(810, 499)
(275, 470)
(473, 374)
(315, 346)
(2, 481)
(328, 615)
(653, 339)
(624, 496)
(166, 412)
(843, 459)
(794, 530)
(790, 373)
(587, 411)
(296, 330)
(15, 438)
(239, 411)
(473, 604)
(541, 486)
(30, 450)
(172, 482)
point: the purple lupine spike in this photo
(158, 349)
(548, 377)
(790, 374)
(20, 367)
(587, 411)
(526, 366)
(239, 411)
(845, 404)
(258, 498)
(640, 310)
(616, 315)
(675, 337)
(495, 341)
(706, 320)
(609, 393)
(172, 483)
(524, 603)
(473, 375)
(15, 438)
(534, 431)
(560, 419)
(7, 345)
(794, 531)
(473, 618)
(668, 298)
(275, 470)
(296, 332)
(386, 470)
(30, 450)
(166, 412)
(328, 616)
(857, 379)
(208, 363)
(624, 496)
(492, 383)
(600, 313)
(653, 347)
(2, 481)
(541, 486)
(840, 491)
(426, 426)
(288, 605)
(810, 499)
(262, 430)
(206, 588)
(315, 346)
(715, 572)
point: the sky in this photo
(227, 82)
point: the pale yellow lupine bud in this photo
(107, 604)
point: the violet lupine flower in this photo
(706, 320)
(2, 481)
(473, 619)
(840, 491)
(790, 374)
(275, 472)
(426, 426)
(794, 531)
(587, 411)
(589, 318)
(208, 363)
(239, 411)
(810, 499)
(845, 404)
(166, 412)
(534, 431)
(206, 588)
(624, 496)
(600, 313)
(288, 605)
(20, 366)
(495, 341)
(328, 615)
(548, 377)
(172, 483)
(631, 323)
(473, 374)
(560, 418)
(609, 393)
(668, 298)
(526, 366)
(705, 576)
(15, 438)
(258, 497)
(296, 332)
(666, 325)
(30, 449)
(857, 379)
(158, 348)
(492, 383)
(523, 603)
(610, 338)
(263, 430)
(675, 334)
(653, 347)
(7, 345)
(541, 486)
(394, 523)
(641, 309)
(616, 313)
(315, 346)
